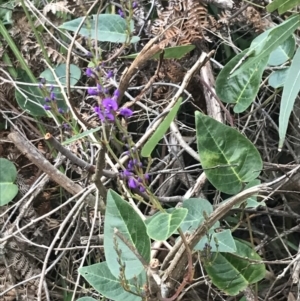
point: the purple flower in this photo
(146, 176)
(99, 88)
(132, 183)
(130, 165)
(104, 114)
(134, 5)
(89, 72)
(110, 104)
(116, 93)
(92, 91)
(42, 81)
(110, 74)
(121, 13)
(52, 96)
(47, 99)
(51, 88)
(127, 173)
(60, 110)
(142, 188)
(126, 112)
(47, 108)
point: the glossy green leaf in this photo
(218, 242)
(100, 277)
(176, 52)
(198, 210)
(277, 78)
(283, 52)
(160, 131)
(275, 37)
(282, 5)
(229, 159)
(81, 135)
(111, 28)
(232, 274)
(8, 174)
(121, 216)
(242, 88)
(291, 89)
(163, 225)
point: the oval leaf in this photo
(99, 276)
(291, 89)
(163, 225)
(111, 28)
(242, 88)
(120, 215)
(8, 174)
(277, 78)
(283, 52)
(160, 131)
(232, 274)
(228, 158)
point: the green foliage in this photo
(160, 131)
(277, 78)
(111, 28)
(176, 52)
(8, 174)
(230, 160)
(86, 299)
(283, 52)
(290, 91)
(121, 216)
(31, 98)
(6, 9)
(81, 135)
(264, 44)
(164, 224)
(242, 88)
(233, 274)
(282, 5)
(103, 281)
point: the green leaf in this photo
(120, 215)
(81, 135)
(252, 201)
(60, 71)
(163, 225)
(290, 91)
(160, 131)
(232, 274)
(8, 174)
(176, 52)
(111, 28)
(282, 5)
(229, 159)
(86, 299)
(32, 98)
(277, 78)
(218, 242)
(275, 37)
(198, 209)
(100, 277)
(242, 88)
(283, 52)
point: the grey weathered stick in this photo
(30, 151)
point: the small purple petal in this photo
(126, 112)
(121, 13)
(110, 116)
(142, 188)
(89, 72)
(127, 173)
(51, 88)
(99, 112)
(92, 91)
(110, 104)
(116, 93)
(47, 108)
(43, 81)
(146, 176)
(130, 164)
(47, 99)
(110, 74)
(99, 88)
(132, 183)
(52, 96)
(60, 110)
(134, 5)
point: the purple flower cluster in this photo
(108, 109)
(132, 181)
(51, 96)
